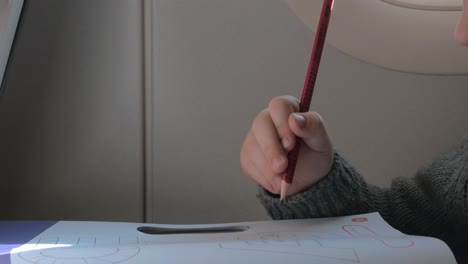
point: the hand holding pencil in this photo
(308, 89)
(292, 145)
(273, 135)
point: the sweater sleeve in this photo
(433, 203)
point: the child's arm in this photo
(432, 203)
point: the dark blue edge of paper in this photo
(14, 234)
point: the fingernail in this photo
(300, 120)
(286, 142)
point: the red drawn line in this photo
(375, 236)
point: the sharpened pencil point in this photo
(284, 190)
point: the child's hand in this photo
(272, 135)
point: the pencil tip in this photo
(284, 190)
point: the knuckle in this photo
(277, 102)
(242, 158)
(246, 165)
(246, 171)
(260, 118)
(317, 117)
(315, 120)
(245, 160)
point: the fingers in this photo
(311, 128)
(255, 165)
(273, 134)
(308, 126)
(264, 131)
(263, 154)
(280, 108)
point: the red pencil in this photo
(308, 89)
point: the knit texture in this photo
(432, 203)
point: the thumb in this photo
(310, 127)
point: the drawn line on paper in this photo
(287, 243)
(365, 232)
(84, 251)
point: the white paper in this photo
(351, 239)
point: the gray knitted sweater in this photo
(432, 203)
